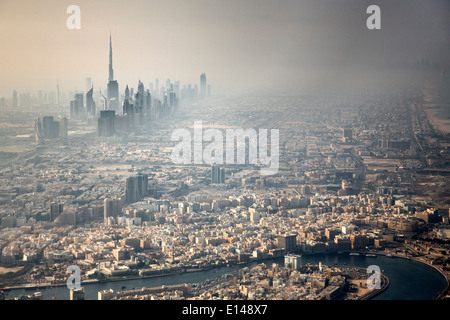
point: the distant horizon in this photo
(242, 46)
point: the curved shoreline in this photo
(372, 294)
(187, 270)
(441, 272)
(94, 281)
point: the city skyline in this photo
(245, 46)
(225, 150)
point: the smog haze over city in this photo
(245, 45)
(245, 151)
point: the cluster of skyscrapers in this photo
(50, 129)
(118, 114)
(143, 105)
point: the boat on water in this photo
(371, 255)
(389, 255)
(354, 254)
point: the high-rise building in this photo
(77, 107)
(148, 105)
(128, 109)
(293, 261)
(38, 132)
(106, 294)
(358, 241)
(88, 84)
(77, 294)
(347, 134)
(217, 174)
(113, 86)
(108, 208)
(90, 104)
(131, 190)
(58, 99)
(63, 128)
(139, 103)
(287, 242)
(110, 70)
(136, 188)
(113, 95)
(47, 126)
(55, 210)
(202, 86)
(50, 128)
(127, 93)
(106, 123)
(142, 185)
(176, 88)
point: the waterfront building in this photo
(77, 294)
(293, 261)
(287, 242)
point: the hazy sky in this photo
(239, 44)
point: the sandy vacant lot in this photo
(6, 270)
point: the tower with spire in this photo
(111, 71)
(113, 86)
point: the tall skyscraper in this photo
(38, 132)
(55, 210)
(90, 104)
(108, 208)
(148, 104)
(111, 70)
(77, 107)
(88, 84)
(202, 86)
(139, 103)
(136, 188)
(50, 128)
(63, 128)
(127, 93)
(217, 174)
(113, 86)
(58, 99)
(106, 123)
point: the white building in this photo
(293, 261)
